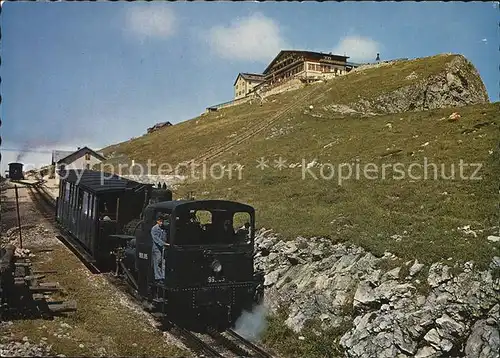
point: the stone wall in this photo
(289, 85)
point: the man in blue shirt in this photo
(159, 235)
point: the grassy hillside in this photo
(426, 213)
(411, 217)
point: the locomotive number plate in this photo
(143, 255)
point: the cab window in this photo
(212, 227)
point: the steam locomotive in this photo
(16, 171)
(209, 272)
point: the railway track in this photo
(227, 344)
(209, 344)
(42, 201)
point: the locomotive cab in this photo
(209, 271)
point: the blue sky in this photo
(76, 74)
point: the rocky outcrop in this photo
(459, 84)
(408, 310)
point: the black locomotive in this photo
(209, 270)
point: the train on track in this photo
(209, 271)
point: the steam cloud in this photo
(22, 153)
(58, 135)
(252, 324)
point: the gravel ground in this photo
(24, 347)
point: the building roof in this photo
(160, 125)
(70, 158)
(304, 53)
(249, 77)
(99, 182)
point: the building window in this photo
(87, 156)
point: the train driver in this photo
(159, 235)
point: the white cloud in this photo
(485, 41)
(358, 48)
(151, 21)
(253, 38)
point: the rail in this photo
(198, 343)
(258, 127)
(229, 343)
(262, 353)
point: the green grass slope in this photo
(426, 213)
(384, 210)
